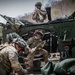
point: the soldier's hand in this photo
(37, 10)
(28, 48)
(44, 42)
(32, 50)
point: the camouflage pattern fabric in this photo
(9, 59)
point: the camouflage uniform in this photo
(9, 60)
(39, 18)
(33, 43)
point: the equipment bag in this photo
(65, 67)
(48, 68)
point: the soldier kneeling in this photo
(9, 58)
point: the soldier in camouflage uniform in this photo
(9, 58)
(33, 42)
(39, 15)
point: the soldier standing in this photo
(33, 42)
(39, 15)
(9, 58)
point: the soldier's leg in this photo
(44, 53)
(30, 59)
(2, 72)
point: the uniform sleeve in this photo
(30, 41)
(14, 61)
(33, 16)
(44, 16)
(39, 46)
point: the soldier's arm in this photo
(42, 12)
(15, 65)
(34, 16)
(41, 44)
(14, 61)
(30, 41)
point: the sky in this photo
(14, 8)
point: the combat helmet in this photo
(39, 33)
(11, 36)
(20, 42)
(38, 4)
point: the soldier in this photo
(33, 42)
(9, 58)
(65, 53)
(39, 15)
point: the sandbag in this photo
(47, 69)
(71, 70)
(64, 67)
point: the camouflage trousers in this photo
(30, 57)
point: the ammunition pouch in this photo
(48, 68)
